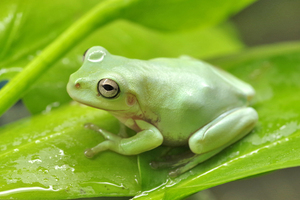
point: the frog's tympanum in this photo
(167, 101)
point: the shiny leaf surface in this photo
(43, 155)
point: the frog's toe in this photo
(106, 134)
(182, 169)
(161, 164)
(170, 161)
(174, 173)
(92, 127)
(89, 153)
(192, 162)
(154, 164)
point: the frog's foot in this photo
(92, 127)
(110, 143)
(172, 160)
(122, 132)
(103, 146)
(182, 162)
(192, 162)
(106, 134)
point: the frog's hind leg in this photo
(223, 131)
(217, 135)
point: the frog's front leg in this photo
(148, 138)
(217, 135)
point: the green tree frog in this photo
(167, 101)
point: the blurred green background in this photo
(264, 22)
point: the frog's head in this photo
(99, 83)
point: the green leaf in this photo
(103, 13)
(183, 14)
(43, 156)
(36, 152)
(26, 28)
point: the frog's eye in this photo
(108, 88)
(83, 57)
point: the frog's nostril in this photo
(77, 85)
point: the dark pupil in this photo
(108, 87)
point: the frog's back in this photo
(183, 95)
(189, 66)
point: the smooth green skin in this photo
(166, 101)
